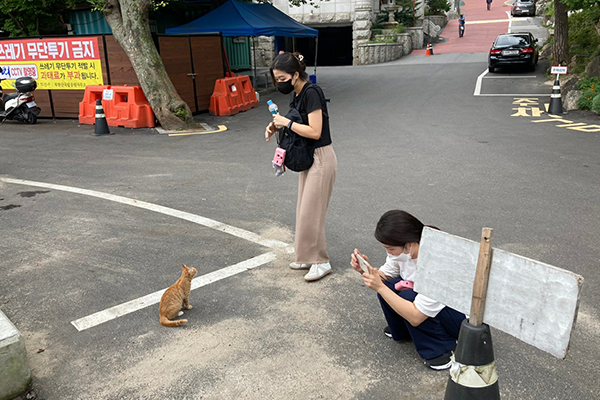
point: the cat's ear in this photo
(183, 266)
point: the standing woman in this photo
(315, 185)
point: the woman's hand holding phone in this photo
(373, 279)
(356, 263)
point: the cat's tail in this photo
(164, 321)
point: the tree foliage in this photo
(33, 17)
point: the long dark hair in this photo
(290, 63)
(397, 227)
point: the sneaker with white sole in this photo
(441, 362)
(317, 271)
(296, 265)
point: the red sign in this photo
(56, 63)
(49, 49)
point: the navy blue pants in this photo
(434, 336)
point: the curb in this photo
(15, 375)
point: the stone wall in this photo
(361, 31)
(418, 39)
(405, 40)
(265, 51)
(378, 53)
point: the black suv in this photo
(513, 49)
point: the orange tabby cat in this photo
(175, 298)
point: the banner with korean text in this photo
(57, 63)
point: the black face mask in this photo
(285, 87)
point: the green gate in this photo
(238, 52)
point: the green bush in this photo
(405, 14)
(596, 104)
(591, 90)
(584, 42)
(436, 7)
(400, 28)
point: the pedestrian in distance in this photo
(461, 25)
(315, 185)
(489, 4)
(432, 326)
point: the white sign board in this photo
(558, 70)
(107, 94)
(533, 301)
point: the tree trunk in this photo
(560, 47)
(128, 20)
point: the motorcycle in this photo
(20, 106)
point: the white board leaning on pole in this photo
(533, 301)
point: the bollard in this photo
(473, 372)
(555, 99)
(101, 127)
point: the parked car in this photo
(523, 7)
(514, 49)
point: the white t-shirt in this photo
(407, 270)
(428, 306)
(396, 269)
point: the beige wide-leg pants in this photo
(315, 186)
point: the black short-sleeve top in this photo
(310, 100)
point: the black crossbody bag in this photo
(299, 151)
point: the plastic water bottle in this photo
(273, 107)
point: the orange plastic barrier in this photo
(129, 108)
(232, 95)
(248, 91)
(87, 107)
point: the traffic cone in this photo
(101, 127)
(429, 51)
(555, 99)
(473, 372)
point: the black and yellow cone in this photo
(473, 372)
(555, 99)
(101, 127)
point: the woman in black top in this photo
(315, 185)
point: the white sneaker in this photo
(295, 265)
(317, 271)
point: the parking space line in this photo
(207, 222)
(154, 298)
(513, 95)
(511, 77)
(478, 84)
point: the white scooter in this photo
(20, 106)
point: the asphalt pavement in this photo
(136, 205)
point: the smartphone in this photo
(362, 263)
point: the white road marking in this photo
(137, 304)
(478, 84)
(513, 95)
(207, 222)
(510, 20)
(510, 77)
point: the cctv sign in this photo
(558, 70)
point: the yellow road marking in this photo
(221, 129)
(489, 21)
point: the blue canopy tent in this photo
(235, 18)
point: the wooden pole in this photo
(482, 275)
